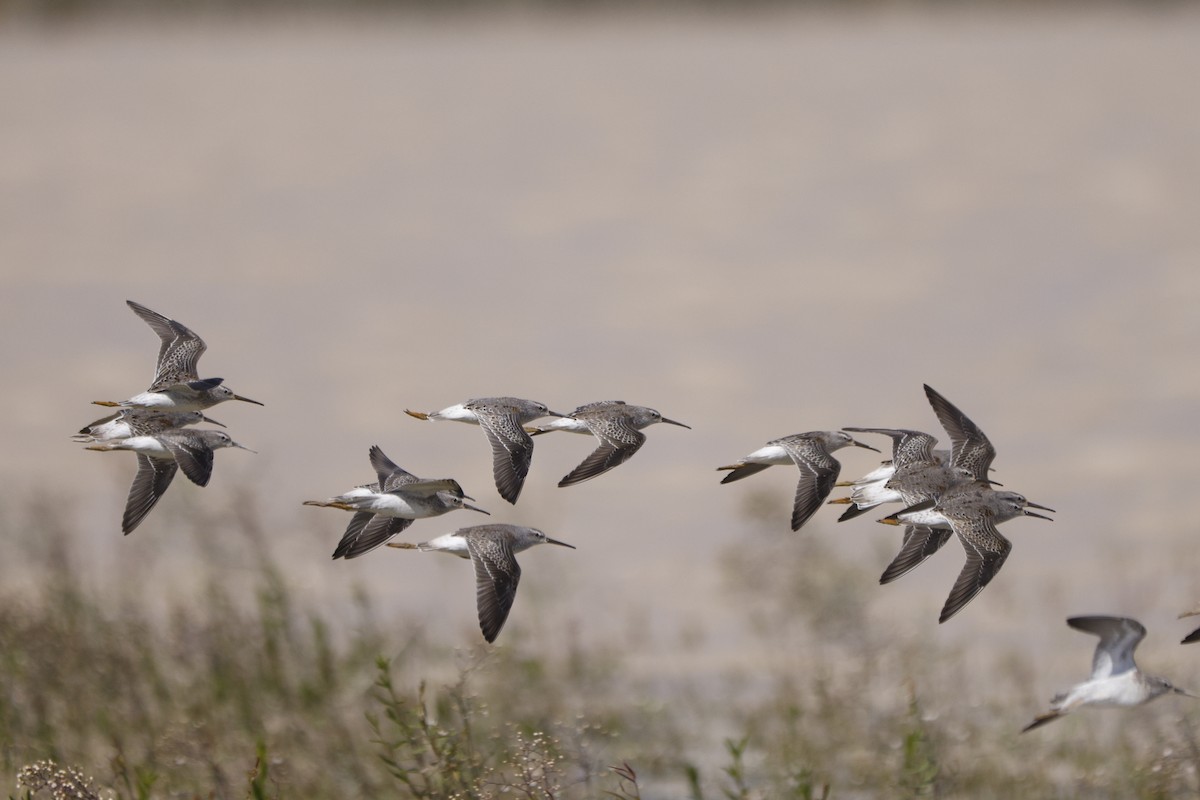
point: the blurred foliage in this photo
(236, 687)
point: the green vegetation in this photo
(243, 690)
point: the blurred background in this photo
(759, 220)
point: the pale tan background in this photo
(758, 224)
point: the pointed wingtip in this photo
(1041, 719)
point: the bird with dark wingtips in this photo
(1116, 679)
(971, 455)
(159, 454)
(388, 506)
(971, 511)
(492, 550)
(502, 420)
(908, 448)
(945, 498)
(811, 453)
(618, 427)
(176, 385)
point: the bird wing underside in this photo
(1119, 636)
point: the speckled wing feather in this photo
(153, 477)
(986, 551)
(179, 352)
(920, 542)
(971, 449)
(818, 474)
(496, 576)
(596, 405)
(512, 450)
(919, 482)
(390, 475)
(908, 446)
(619, 440)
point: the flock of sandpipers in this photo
(942, 493)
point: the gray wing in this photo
(744, 471)
(1119, 637)
(596, 405)
(908, 446)
(179, 352)
(496, 576)
(818, 473)
(918, 482)
(153, 477)
(920, 542)
(191, 454)
(367, 531)
(390, 475)
(512, 450)
(986, 551)
(619, 440)
(971, 449)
